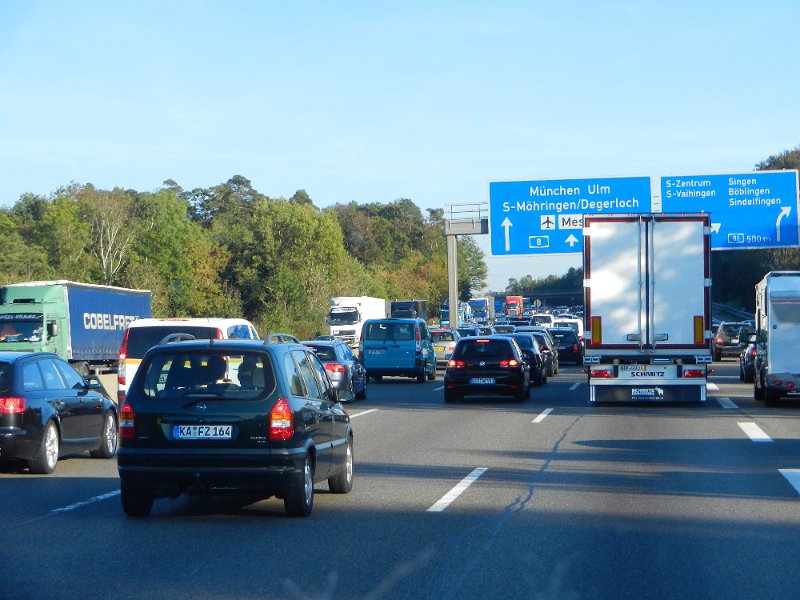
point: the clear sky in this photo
(375, 101)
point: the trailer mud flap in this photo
(648, 393)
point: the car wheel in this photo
(758, 390)
(748, 376)
(108, 439)
(522, 394)
(432, 374)
(741, 372)
(299, 498)
(46, 458)
(422, 376)
(135, 503)
(342, 483)
(363, 393)
(771, 397)
(717, 356)
(538, 378)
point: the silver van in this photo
(400, 347)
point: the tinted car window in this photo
(307, 373)
(386, 331)
(52, 378)
(172, 375)
(32, 378)
(240, 332)
(566, 337)
(293, 374)
(483, 350)
(325, 352)
(71, 377)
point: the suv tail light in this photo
(281, 421)
(12, 405)
(123, 350)
(334, 367)
(127, 431)
(418, 339)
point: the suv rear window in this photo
(564, 337)
(176, 375)
(387, 331)
(141, 339)
(483, 349)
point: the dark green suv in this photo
(233, 416)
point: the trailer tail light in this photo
(334, 368)
(699, 331)
(12, 405)
(601, 373)
(127, 430)
(281, 421)
(597, 330)
(694, 373)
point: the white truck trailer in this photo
(348, 313)
(647, 293)
(778, 331)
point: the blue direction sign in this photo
(546, 217)
(753, 210)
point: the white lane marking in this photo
(726, 402)
(755, 432)
(366, 412)
(574, 387)
(793, 477)
(712, 386)
(438, 389)
(85, 502)
(541, 417)
(459, 489)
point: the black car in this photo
(344, 370)
(747, 359)
(485, 366)
(549, 351)
(47, 409)
(233, 416)
(532, 354)
(729, 339)
(568, 345)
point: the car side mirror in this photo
(345, 396)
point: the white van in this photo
(143, 334)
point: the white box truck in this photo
(647, 306)
(777, 332)
(348, 313)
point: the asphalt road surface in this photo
(550, 499)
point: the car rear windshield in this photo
(443, 336)
(324, 353)
(385, 331)
(482, 349)
(141, 339)
(220, 375)
(567, 337)
(524, 341)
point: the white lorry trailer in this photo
(348, 313)
(777, 365)
(647, 306)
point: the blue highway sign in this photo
(752, 210)
(546, 217)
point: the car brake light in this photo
(12, 405)
(512, 362)
(694, 373)
(219, 334)
(752, 352)
(334, 367)
(418, 339)
(789, 385)
(127, 431)
(777, 383)
(601, 373)
(457, 364)
(281, 421)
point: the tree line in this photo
(229, 250)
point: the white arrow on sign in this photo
(784, 213)
(715, 227)
(572, 240)
(506, 224)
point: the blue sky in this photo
(373, 102)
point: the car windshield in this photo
(343, 317)
(21, 330)
(141, 339)
(442, 336)
(176, 375)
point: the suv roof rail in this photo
(176, 337)
(280, 338)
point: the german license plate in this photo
(439, 348)
(202, 432)
(482, 381)
(376, 350)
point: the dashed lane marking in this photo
(459, 489)
(366, 412)
(793, 477)
(755, 432)
(726, 402)
(574, 387)
(543, 414)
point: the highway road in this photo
(552, 498)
